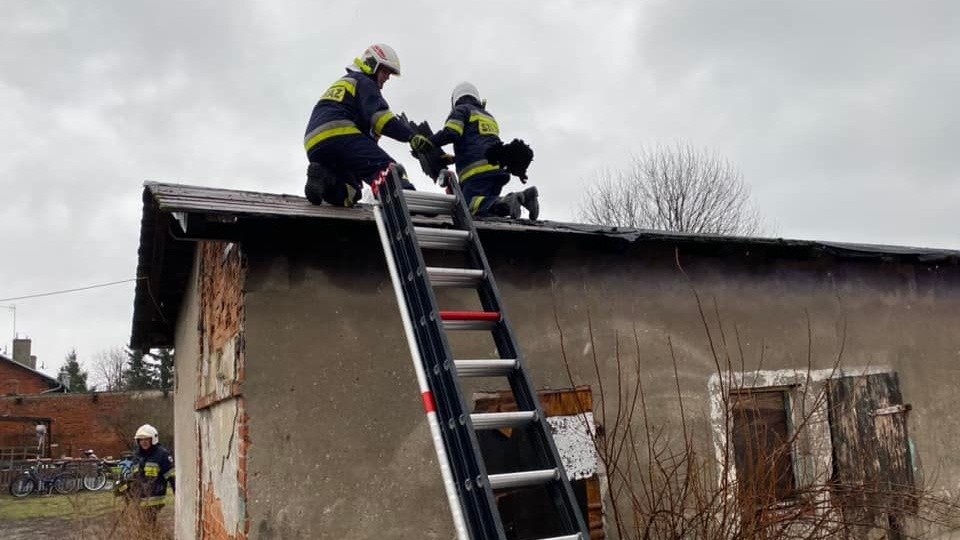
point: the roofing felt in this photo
(171, 210)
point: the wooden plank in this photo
(871, 459)
(762, 453)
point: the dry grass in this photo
(82, 516)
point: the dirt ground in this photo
(89, 517)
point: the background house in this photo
(73, 422)
(295, 405)
(19, 375)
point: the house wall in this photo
(16, 380)
(187, 343)
(337, 443)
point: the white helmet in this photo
(461, 90)
(147, 431)
(376, 56)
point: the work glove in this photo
(446, 159)
(420, 144)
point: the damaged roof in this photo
(176, 215)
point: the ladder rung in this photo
(430, 203)
(577, 536)
(454, 277)
(469, 325)
(490, 316)
(501, 420)
(485, 368)
(523, 479)
(434, 238)
(469, 320)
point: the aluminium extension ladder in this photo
(470, 490)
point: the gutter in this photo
(57, 389)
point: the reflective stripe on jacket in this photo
(472, 130)
(353, 105)
(153, 470)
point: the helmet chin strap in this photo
(364, 66)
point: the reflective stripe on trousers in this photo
(475, 168)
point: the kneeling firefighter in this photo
(341, 136)
(484, 164)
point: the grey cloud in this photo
(841, 115)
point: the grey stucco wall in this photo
(184, 417)
(339, 447)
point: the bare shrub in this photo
(662, 485)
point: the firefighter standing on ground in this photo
(473, 131)
(341, 136)
(152, 472)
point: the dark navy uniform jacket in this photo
(472, 130)
(353, 106)
(154, 469)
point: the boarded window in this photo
(872, 470)
(762, 450)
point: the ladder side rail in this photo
(520, 383)
(463, 449)
(429, 341)
(430, 344)
(436, 434)
(525, 395)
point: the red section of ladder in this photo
(429, 406)
(492, 316)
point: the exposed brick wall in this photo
(102, 421)
(219, 379)
(221, 293)
(15, 379)
(211, 523)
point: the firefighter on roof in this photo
(483, 162)
(341, 136)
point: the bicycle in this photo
(96, 478)
(119, 469)
(30, 481)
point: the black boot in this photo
(319, 178)
(507, 206)
(529, 199)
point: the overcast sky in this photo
(842, 116)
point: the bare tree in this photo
(678, 188)
(108, 369)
